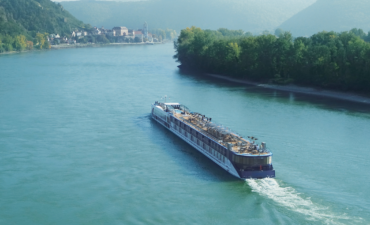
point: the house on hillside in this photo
(96, 31)
(103, 30)
(64, 39)
(111, 32)
(121, 31)
(131, 32)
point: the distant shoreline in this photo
(63, 46)
(302, 90)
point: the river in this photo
(77, 145)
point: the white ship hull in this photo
(223, 163)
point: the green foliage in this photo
(40, 40)
(326, 59)
(20, 43)
(37, 15)
(165, 34)
(102, 39)
(24, 20)
(278, 32)
(248, 34)
(230, 33)
(137, 39)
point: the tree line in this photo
(327, 59)
(164, 34)
(21, 43)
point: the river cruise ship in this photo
(241, 157)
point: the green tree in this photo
(20, 43)
(248, 34)
(326, 59)
(265, 32)
(137, 39)
(40, 40)
(278, 32)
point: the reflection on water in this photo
(352, 108)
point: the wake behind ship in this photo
(240, 157)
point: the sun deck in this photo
(219, 134)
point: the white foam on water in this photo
(290, 199)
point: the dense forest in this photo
(26, 23)
(251, 15)
(329, 15)
(327, 59)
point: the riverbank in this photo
(302, 90)
(12, 52)
(62, 46)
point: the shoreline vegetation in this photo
(327, 61)
(64, 46)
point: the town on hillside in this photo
(119, 34)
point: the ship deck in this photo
(239, 144)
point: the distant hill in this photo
(330, 15)
(249, 15)
(27, 16)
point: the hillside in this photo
(330, 15)
(27, 16)
(249, 15)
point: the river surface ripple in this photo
(77, 146)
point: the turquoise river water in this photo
(77, 146)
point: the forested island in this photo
(331, 60)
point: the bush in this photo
(8, 47)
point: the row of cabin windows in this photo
(197, 137)
(251, 161)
